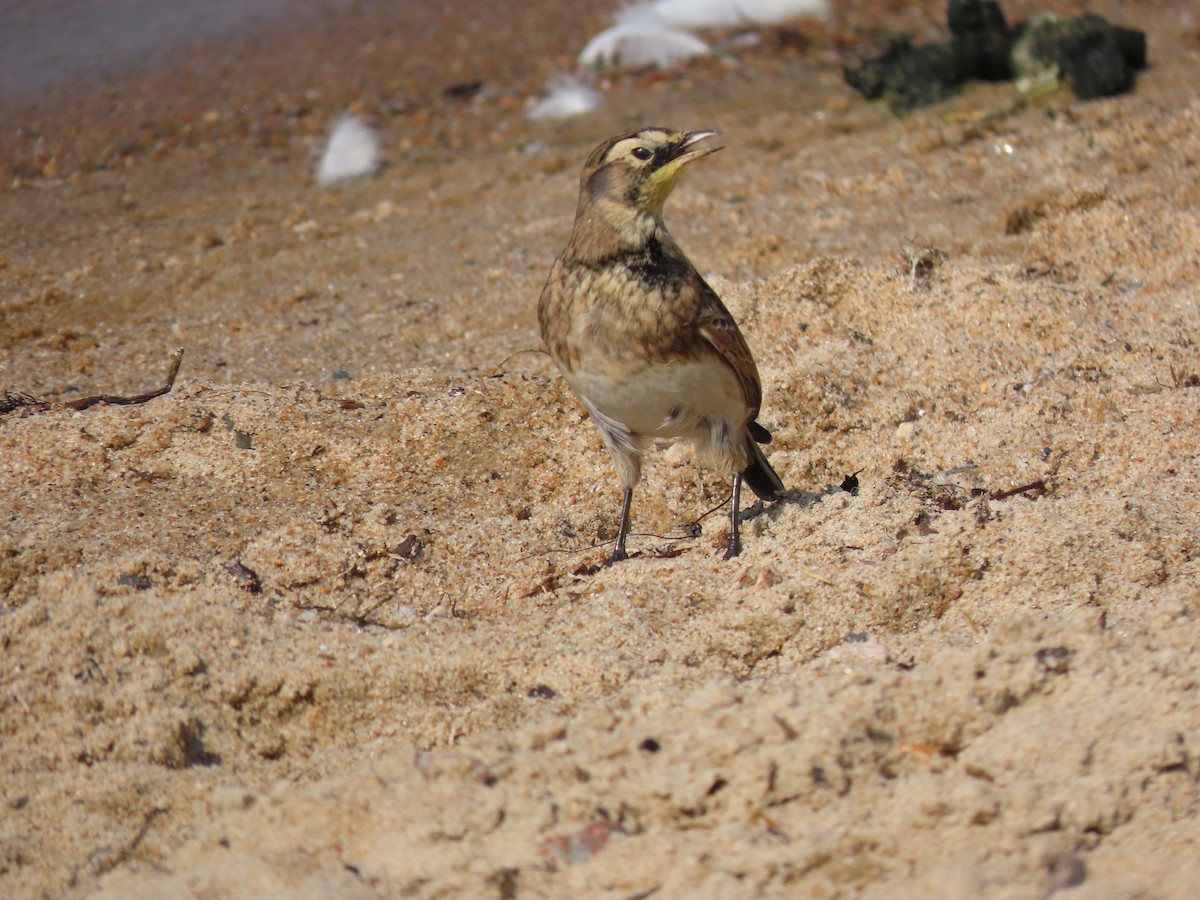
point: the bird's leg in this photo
(735, 516)
(619, 553)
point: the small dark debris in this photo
(243, 440)
(857, 637)
(850, 484)
(924, 486)
(947, 496)
(718, 785)
(201, 421)
(246, 577)
(879, 736)
(409, 549)
(190, 745)
(1024, 218)
(542, 692)
(90, 671)
(341, 375)
(1066, 870)
(650, 745)
(922, 260)
(137, 582)
(1054, 659)
(464, 90)
(667, 553)
(505, 882)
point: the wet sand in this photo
(315, 623)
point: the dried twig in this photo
(498, 371)
(129, 851)
(10, 400)
(1034, 487)
(13, 400)
(118, 400)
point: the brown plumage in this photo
(640, 336)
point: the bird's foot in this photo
(597, 568)
(617, 556)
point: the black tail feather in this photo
(759, 475)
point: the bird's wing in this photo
(716, 325)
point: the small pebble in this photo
(231, 798)
(859, 650)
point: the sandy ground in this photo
(312, 624)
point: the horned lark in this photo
(641, 338)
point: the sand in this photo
(316, 623)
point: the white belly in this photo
(678, 399)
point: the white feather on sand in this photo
(654, 34)
(725, 13)
(353, 151)
(567, 95)
(640, 42)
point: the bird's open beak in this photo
(688, 151)
(661, 182)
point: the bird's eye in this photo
(642, 153)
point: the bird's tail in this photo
(759, 475)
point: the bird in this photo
(640, 337)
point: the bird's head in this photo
(630, 176)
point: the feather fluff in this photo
(654, 34)
(726, 13)
(566, 96)
(353, 150)
(637, 43)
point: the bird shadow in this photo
(694, 529)
(797, 497)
